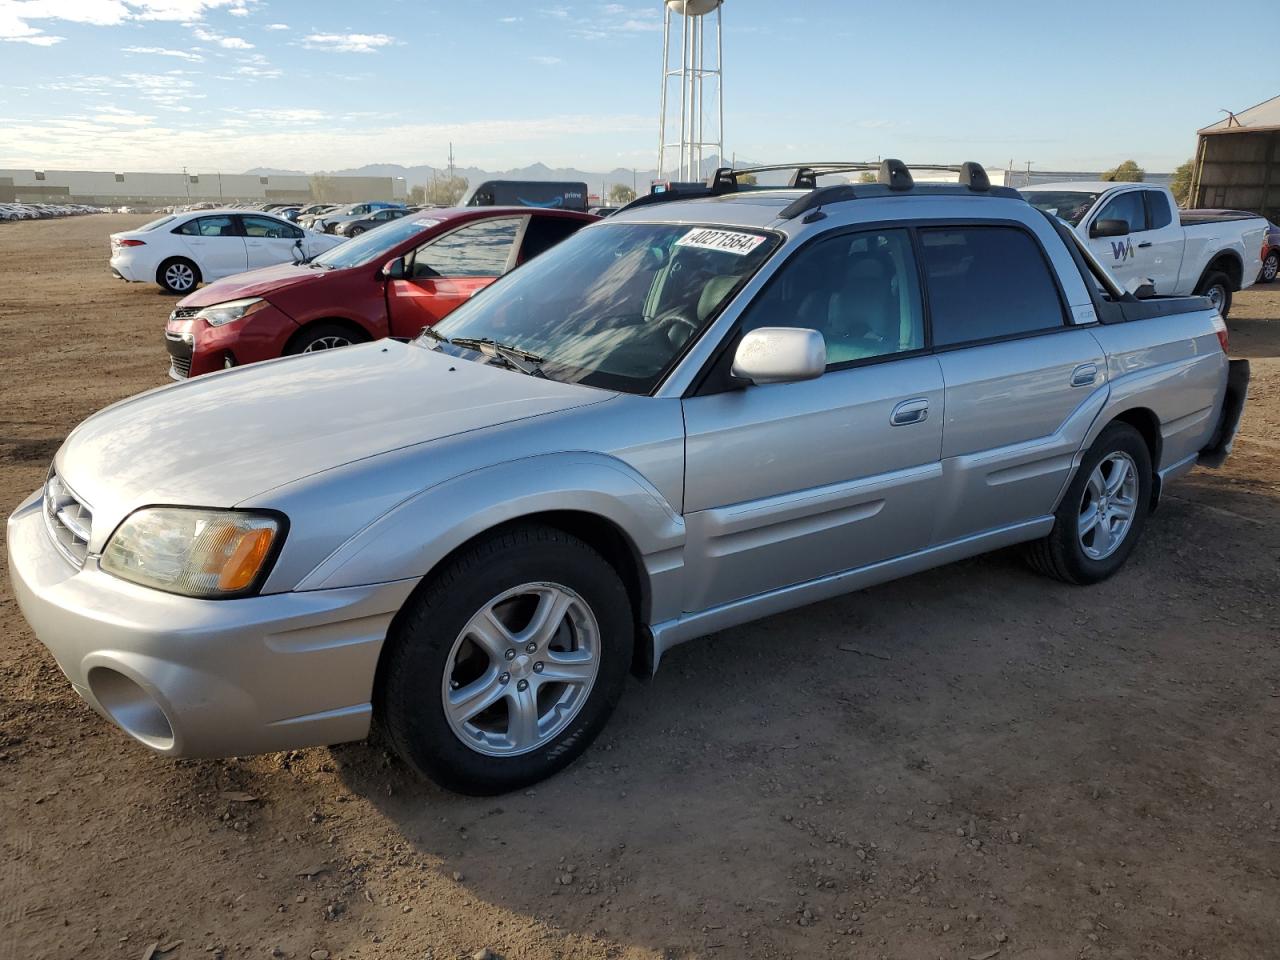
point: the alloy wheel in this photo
(1270, 267)
(521, 669)
(326, 343)
(1217, 296)
(179, 276)
(1108, 505)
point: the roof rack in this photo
(892, 177)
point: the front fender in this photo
(409, 540)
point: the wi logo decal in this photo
(1122, 249)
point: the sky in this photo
(228, 85)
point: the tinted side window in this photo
(859, 290)
(1158, 212)
(209, 227)
(268, 227)
(1127, 207)
(987, 282)
(477, 250)
(543, 233)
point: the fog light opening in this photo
(131, 707)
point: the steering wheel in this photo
(673, 321)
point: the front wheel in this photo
(1102, 514)
(1217, 287)
(325, 336)
(355, 231)
(508, 662)
(1270, 267)
(178, 275)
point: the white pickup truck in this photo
(1140, 234)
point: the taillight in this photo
(1220, 328)
(132, 243)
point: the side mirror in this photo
(1109, 228)
(394, 269)
(780, 355)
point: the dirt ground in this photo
(970, 763)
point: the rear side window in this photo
(987, 282)
(1158, 213)
(208, 227)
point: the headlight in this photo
(195, 552)
(221, 313)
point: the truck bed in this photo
(1191, 218)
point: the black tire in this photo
(178, 275)
(410, 697)
(325, 336)
(1220, 282)
(355, 231)
(1061, 554)
(1270, 267)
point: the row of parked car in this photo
(10, 212)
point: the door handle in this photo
(1084, 375)
(910, 411)
(1144, 244)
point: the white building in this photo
(104, 188)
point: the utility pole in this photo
(450, 159)
(186, 182)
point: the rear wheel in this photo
(1217, 287)
(178, 275)
(1102, 513)
(325, 336)
(508, 662)
(1270, 267)
(355, 231)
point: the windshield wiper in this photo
(513, 357)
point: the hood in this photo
(223, 438)
(255, 283)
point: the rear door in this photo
(215, 244)
(268, 241)
(1021, 384)
(543, 232)
(445, 272)
(1160, 246)
(789, 482)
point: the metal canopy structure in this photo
(691, 120)
(1237, 164)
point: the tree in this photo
(620, 194)
(1180, 183)
(417, 195)
(1127, 172)
(445, 191)
(746, 179)
(867, 176)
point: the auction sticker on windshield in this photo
(427, 221)
(730, 241)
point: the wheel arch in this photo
(355, 326)
(174, 258)
(1227, 262)
(1147, 423)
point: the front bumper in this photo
(205, 678)
(196, 347)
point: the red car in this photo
(389, 282)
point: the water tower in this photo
(692, 85)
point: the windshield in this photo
(154, 223)
(615, 305)
(375, 243)
(1069, 205)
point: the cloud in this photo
(212, 36)
(616, 19)
(546, 61)
(510, 19)
(170, 90)
(162, 52)
(278, 26)
(348, 42)
(18, 17)
(257, 67)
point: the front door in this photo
(446, 271)
(269, 241)
(789, 482)
(1152, 248)
(1022, 385)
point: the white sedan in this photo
(181, 250)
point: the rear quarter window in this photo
(987, 282)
